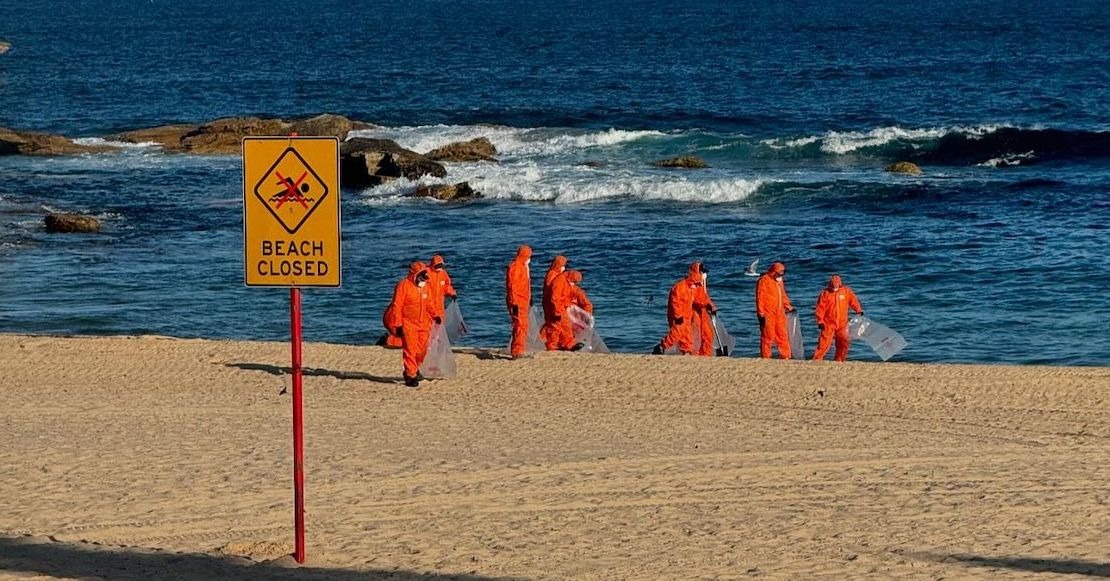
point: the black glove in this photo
(861, 313)
(515, 310)
(678, 320)
(399, 331)
(453, 297)
(791, 310)
(820, 327)
(762, 320)
(437, 320)
(712, 310)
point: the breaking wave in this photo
(509, 141)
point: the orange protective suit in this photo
(391, 341)
(771, 306)
(704, 309)
(558, 332)
(680, 312)
(558, 265)
(832, 318)
(412, 312)
(518, 297)
(439, 283)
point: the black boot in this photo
(411, 382)
(578, 347)
(658, 349)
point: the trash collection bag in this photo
(885, 341)
(535, 322)
(584, 332)
(453, 321)
(724, 343)
(794, 331)
(440, 362)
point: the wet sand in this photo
(132, 458)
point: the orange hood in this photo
(415, 270)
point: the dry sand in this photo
(138, 458)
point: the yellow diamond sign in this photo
(291, 233)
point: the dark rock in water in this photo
(71, 223)
(371, 162)
(324, 125)
(685, 162)
(5, 47)
(906, 167)
(224, 136)
(592, 164)
(460, 192)
(25, 143)
(478, 149)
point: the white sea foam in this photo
(1009, 160)
(572, 184)
(844, 142)
(510, 141)
(97, 141)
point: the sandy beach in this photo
(150, 457)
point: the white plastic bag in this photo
(584, 332)
(535, 322)
(440, 362)
(453, 321)
(794, 331)
(885, 341)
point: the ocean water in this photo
(999, 253)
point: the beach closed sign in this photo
(291, 234)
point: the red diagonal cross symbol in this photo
(292, 190)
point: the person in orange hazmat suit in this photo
(565, 292)
(832, 318)
(680, 313)
(558, 265)
(518, 297)
(771, 306)
(439, 283)
(704, 310)
(411, 317)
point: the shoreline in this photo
(565, 465)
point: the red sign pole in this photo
(298, 423)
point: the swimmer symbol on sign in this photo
(291, 190)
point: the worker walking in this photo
(558, 332)
(704, 311)
(439, 283)
(411, 314)
(558, 265)
(832, 318)
(771, 306)
(518, 297)
(680, 313)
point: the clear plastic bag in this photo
(535, 322)
(454, 323)
(725, 344)
(584, 332)
(794, 332)
(440, 361)
(885, 341)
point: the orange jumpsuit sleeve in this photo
(786, 299)
(393, 313)
(764, 295)
(448, 288)
(826, 303)
(853, 301)
(519, 291)
(582, 300)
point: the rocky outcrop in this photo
(223, 136)
(460, 192)
(905, 167)
(24, 143)
(685, 162)
(371, 162)
(5, 47)
(66, 223)
(478, 149)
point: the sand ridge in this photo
(566, 465)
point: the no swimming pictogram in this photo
(291, 201)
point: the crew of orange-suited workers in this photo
(419, 298)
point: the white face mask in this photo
(704, 276)
(778, 277)
(528, 262)
(422, 283)
(562, 268)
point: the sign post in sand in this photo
(291, 238)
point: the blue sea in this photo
(1000, 252)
